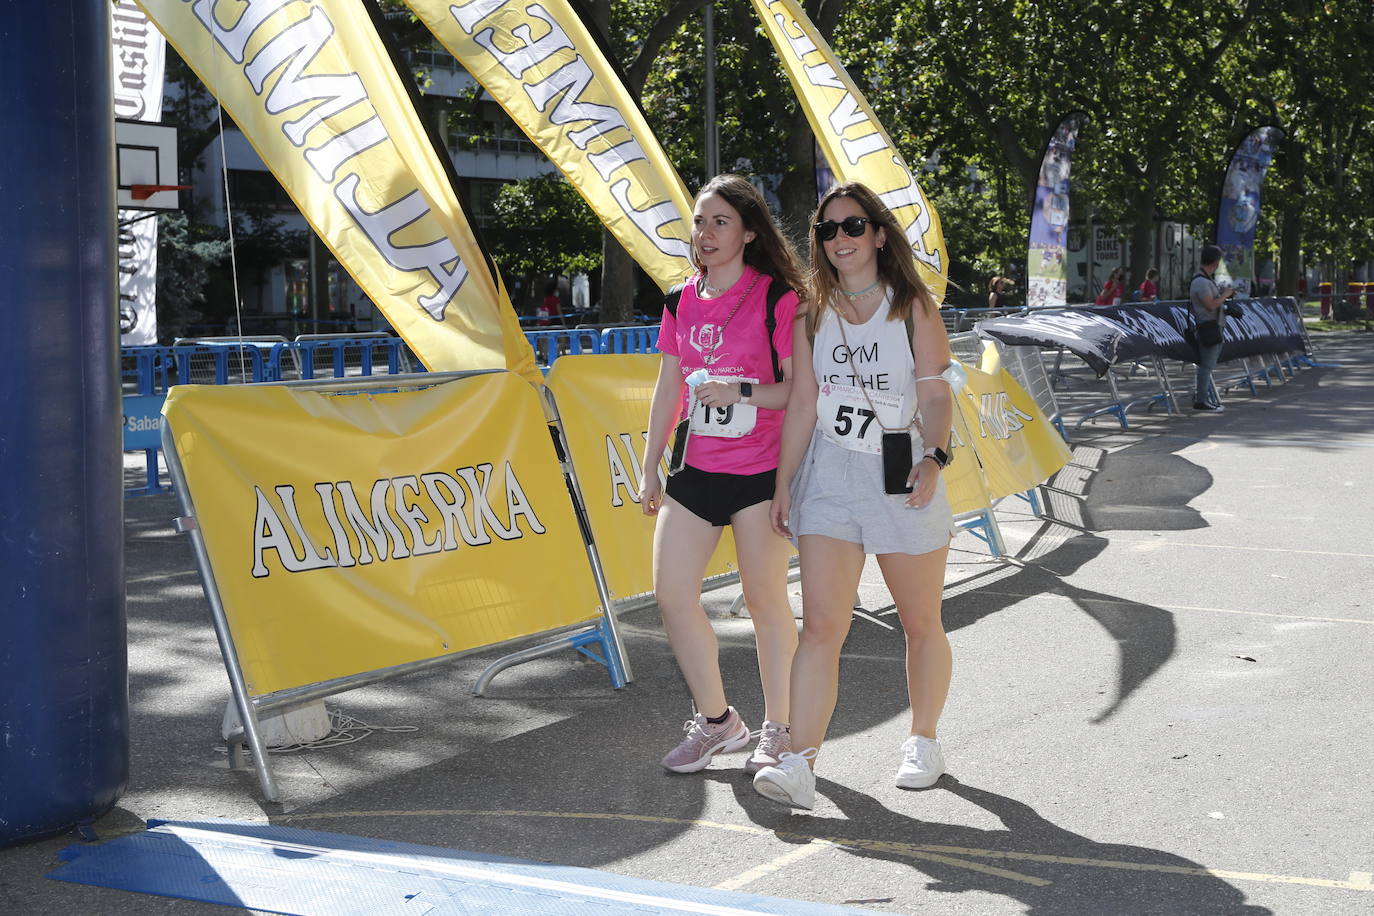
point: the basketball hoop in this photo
(145, 191)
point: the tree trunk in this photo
(617, 268)
(1143, 254)
(617, 282)
(797, 190)
(1290, 246)
(1142, 239)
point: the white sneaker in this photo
(922, 763)
(791, 782)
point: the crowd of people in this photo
(807, 404)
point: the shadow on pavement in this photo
(1052, 871)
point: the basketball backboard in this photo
(146, 166)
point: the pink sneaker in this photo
(774, 740)
(702, 741)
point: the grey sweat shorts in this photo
(841, 496)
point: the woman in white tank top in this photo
(873, 336)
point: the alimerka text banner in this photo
(379, 529)
(1016, 446)
(603, 400)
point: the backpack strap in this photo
(672, 297)
(776, 290)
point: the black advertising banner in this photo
(1106, 335)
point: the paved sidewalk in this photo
(1163, 706)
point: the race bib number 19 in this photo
(847, 419)
(730, 422)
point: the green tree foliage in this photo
(970, 91)
(1317, 59)
(187, 255)
(544, 228)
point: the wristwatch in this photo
(746, 390)
(939, 456)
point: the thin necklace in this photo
(710, 358)
(863, 292)
(706, 286)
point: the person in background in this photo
(997, 293)
(1149, 287)
(869, 393)
(549, 309)
(1206, 299)
(727, 477)
(1114, 289)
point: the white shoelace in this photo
(917, 752)
(790, 760)
(697, 730)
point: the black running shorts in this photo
(716, 496)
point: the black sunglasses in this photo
(853, 226)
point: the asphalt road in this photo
(1162, 705)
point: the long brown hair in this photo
(770, 252)
(896, 265)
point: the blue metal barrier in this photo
(549, 345)
(152, 371)
(147, 369)
(343, 356)
(149, 372)
(221, 362)
(633, 339)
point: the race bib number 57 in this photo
(847, 420)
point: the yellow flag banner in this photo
(855, 144)
(603, 400)
(1016, 446)
(314, 91)
(542, 65)
(354, 532)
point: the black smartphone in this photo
(678, 456)
(896, 462)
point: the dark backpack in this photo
(776, 290)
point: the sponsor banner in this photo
(139, 60)
(1108, 335)
(142, 421)
(855, 144)
(313, 89)
(1047, 271)
(603, 400)
(1003, 445)
(353, 532)
(1238, 212)
(1016, 446)
(966, 484)
(542, 65)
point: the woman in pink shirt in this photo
(719, 324)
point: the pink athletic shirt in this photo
(742, 351)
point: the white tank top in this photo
(878, 357)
